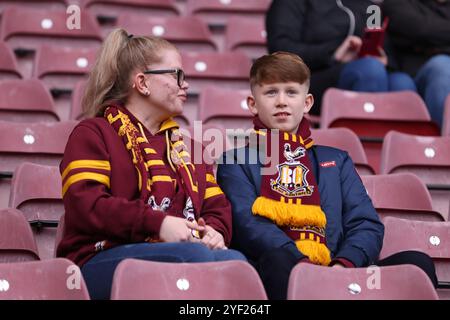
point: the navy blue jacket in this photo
(353, 232)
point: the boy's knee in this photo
(373, 68)
(439, 64)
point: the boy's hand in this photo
(174, 229)
(210, 237)
(348, 50)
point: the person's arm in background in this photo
(417, 23)
(363, 230)
(284, 24)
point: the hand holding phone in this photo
(373, 40)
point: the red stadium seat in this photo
(431, 238)
(26, 101)
(41, 143)
(344, 139)
(247, 36)
(187, 33)
(217, 12)
(59, 233)
(55, 279)
(228, 70)
(26, 28)
(372, 115)
(36, 191)
(426, 157)
(17, 242)
(38, 4)
(401, 195)
(225, 108)
(61, 67)
(231, 280)
(8, 64)
(402, 282)
(106, 10)
(446, 122)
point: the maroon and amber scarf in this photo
(155, 182)
(290, 197)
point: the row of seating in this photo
(137, 279)
(24, 29)
(36, 191)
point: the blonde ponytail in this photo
(120, 54)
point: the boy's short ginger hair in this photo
(279, 67)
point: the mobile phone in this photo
(372, 40)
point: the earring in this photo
(147, 93)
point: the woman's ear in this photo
(251, 103)
(309, 102)
(140, 84)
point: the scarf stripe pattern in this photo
(155, 182)
(290, 197)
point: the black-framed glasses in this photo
(178, 72)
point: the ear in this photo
(140, 84)
(251, 103)
(309, 102)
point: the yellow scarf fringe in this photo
(297, 215)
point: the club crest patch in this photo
(292, 174)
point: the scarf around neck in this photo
(290, 197)
(155, 183)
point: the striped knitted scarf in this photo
(290, 197)
(155, 183)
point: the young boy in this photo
(313, 208)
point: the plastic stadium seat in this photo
(247, 36)
(430, 237)
(8, 64)
(36, 191)
(55, 279)
(401, 195)
(59, 233)
(27, 29)
(217, 12)
(372, 115)
(41, 143)
(106, 10)
(230, 280)
(426, 157)
(26, 101)
(61, 67)
(228, 70)
(446, 121)
(187, 33)
(344, 139)
(226, 108)
(17, 242)
(43, 4)
(402, 282)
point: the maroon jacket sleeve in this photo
(90, 207)
(216, 208)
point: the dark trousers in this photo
(275, 267)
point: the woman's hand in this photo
(210, 237)
(174, 229)
(348, 50)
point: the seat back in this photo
(8, 64)
(36, 191)
(17, 243)
(61, 67)
(402, 282)
(28, 28)
(426, 157)
(247, 36)
(432, 238)
(187, 33)
(55, 279)
(230, 280)
(401, 195)
(344, 139)
(372, 115)
(446, 121)
(228, 70)
(26, 101)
